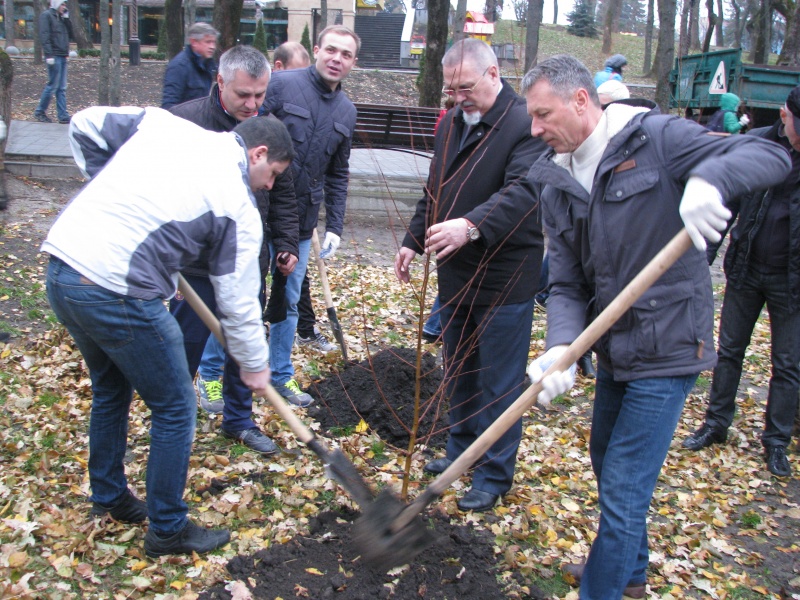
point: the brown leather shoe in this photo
(633, 592)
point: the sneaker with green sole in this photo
(292, 393)
(210, 393)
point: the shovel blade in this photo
(337, 330)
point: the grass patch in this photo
(750, 519)
(48, 399)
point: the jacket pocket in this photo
(341, 132)
(628, 184)
(665, 325)
(296, 121)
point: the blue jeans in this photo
(485, 356)
(56, 83)
(213, 360)
(130, 344)
(632, 427)
(281, 334)
(740, 311)
(433, 325)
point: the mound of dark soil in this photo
(381, 391)
(324, 564)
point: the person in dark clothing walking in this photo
(762, 265)
(238, 96)
(191, 73)
(55, 31)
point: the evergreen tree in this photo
(581, 20)
(305, 40)
(260, 37)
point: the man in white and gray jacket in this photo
(164, 193)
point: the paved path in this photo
(380, 180)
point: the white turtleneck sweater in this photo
(584, 161)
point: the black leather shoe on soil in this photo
(477, 501)
(633, 591)
(703, 437)
(192, 538)
(253, 439)
(437, 466)
(586, 367)
(128, 510)
(777, 463)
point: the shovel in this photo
(326, 290)
(383, 532)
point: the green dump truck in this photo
(698, 80)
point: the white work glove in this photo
(703, 212)
(50, 61)
(744, 120)
(330, 245)
(557, 382)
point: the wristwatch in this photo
(473, 234)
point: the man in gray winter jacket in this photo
(55, 31)
(617, 186)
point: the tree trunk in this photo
(555, 12)
(9, 18)
(227, 14)
(461, 18)
(665, 52)
(611, 24)
(720, 23)
(37, 42)
(436, 38)
(762, 21)
(683, 36)
(490, 10)
(172, 21)
(790, 53)
(737, 24)
(647, 68)
(82, 40)
(6, 77)
(105, 55)
(115, 64)
(533, 22)
(712, 21)
(694, 23)
(190, 15)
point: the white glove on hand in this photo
(50, 61)
(744, 120)
(330, 245)
(703, 212)
(557, 382)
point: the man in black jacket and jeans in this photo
(762, 265)
(238, 95)
(54, 33)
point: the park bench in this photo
(407, 128)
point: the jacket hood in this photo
(54, 4)
(729, 101)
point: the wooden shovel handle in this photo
(210, 320)
(323, 270)
(638, 285)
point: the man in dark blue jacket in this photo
(763, 267)
(618, 185)
(190, 74)
(54, 33)
(321, 119)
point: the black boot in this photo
(585, 365)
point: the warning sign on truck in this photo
(719, 83)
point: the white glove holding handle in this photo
(703, 212)
(50, 61)
(744, 120)
(329, 245)
(557, 382)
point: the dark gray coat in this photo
(54, 33)
(598, 243)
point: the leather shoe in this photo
(634, 591)
(254, 439)
(129, 509)
(192, 538)
(477, 501)
(586, 367)
(777, 463)
(704, 437)
(437, 466)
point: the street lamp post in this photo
(133, 41)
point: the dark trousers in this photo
(238, 410)
(740, 310)
(305, 312)
(485, 356)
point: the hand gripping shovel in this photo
(382, 532)
(336, 464)
(326, 290)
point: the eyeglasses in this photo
(466, 91)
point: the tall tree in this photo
(436, 44)
(105, 56)
(712, 22)
(790, 52)
(581, 20)
(227, 15)
(694, 26)
(555, 12)
(8, 14)
(762, 27)
(493, 9)
(461, 19)
(647, 67)
(116, 62)
(82, 40)
(37, 42)
(720, 23)
(685, 31)
(610, 24)
(532, 25)
(6, 77)
(173, 21)
(665, 51)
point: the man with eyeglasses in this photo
(480, 217)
